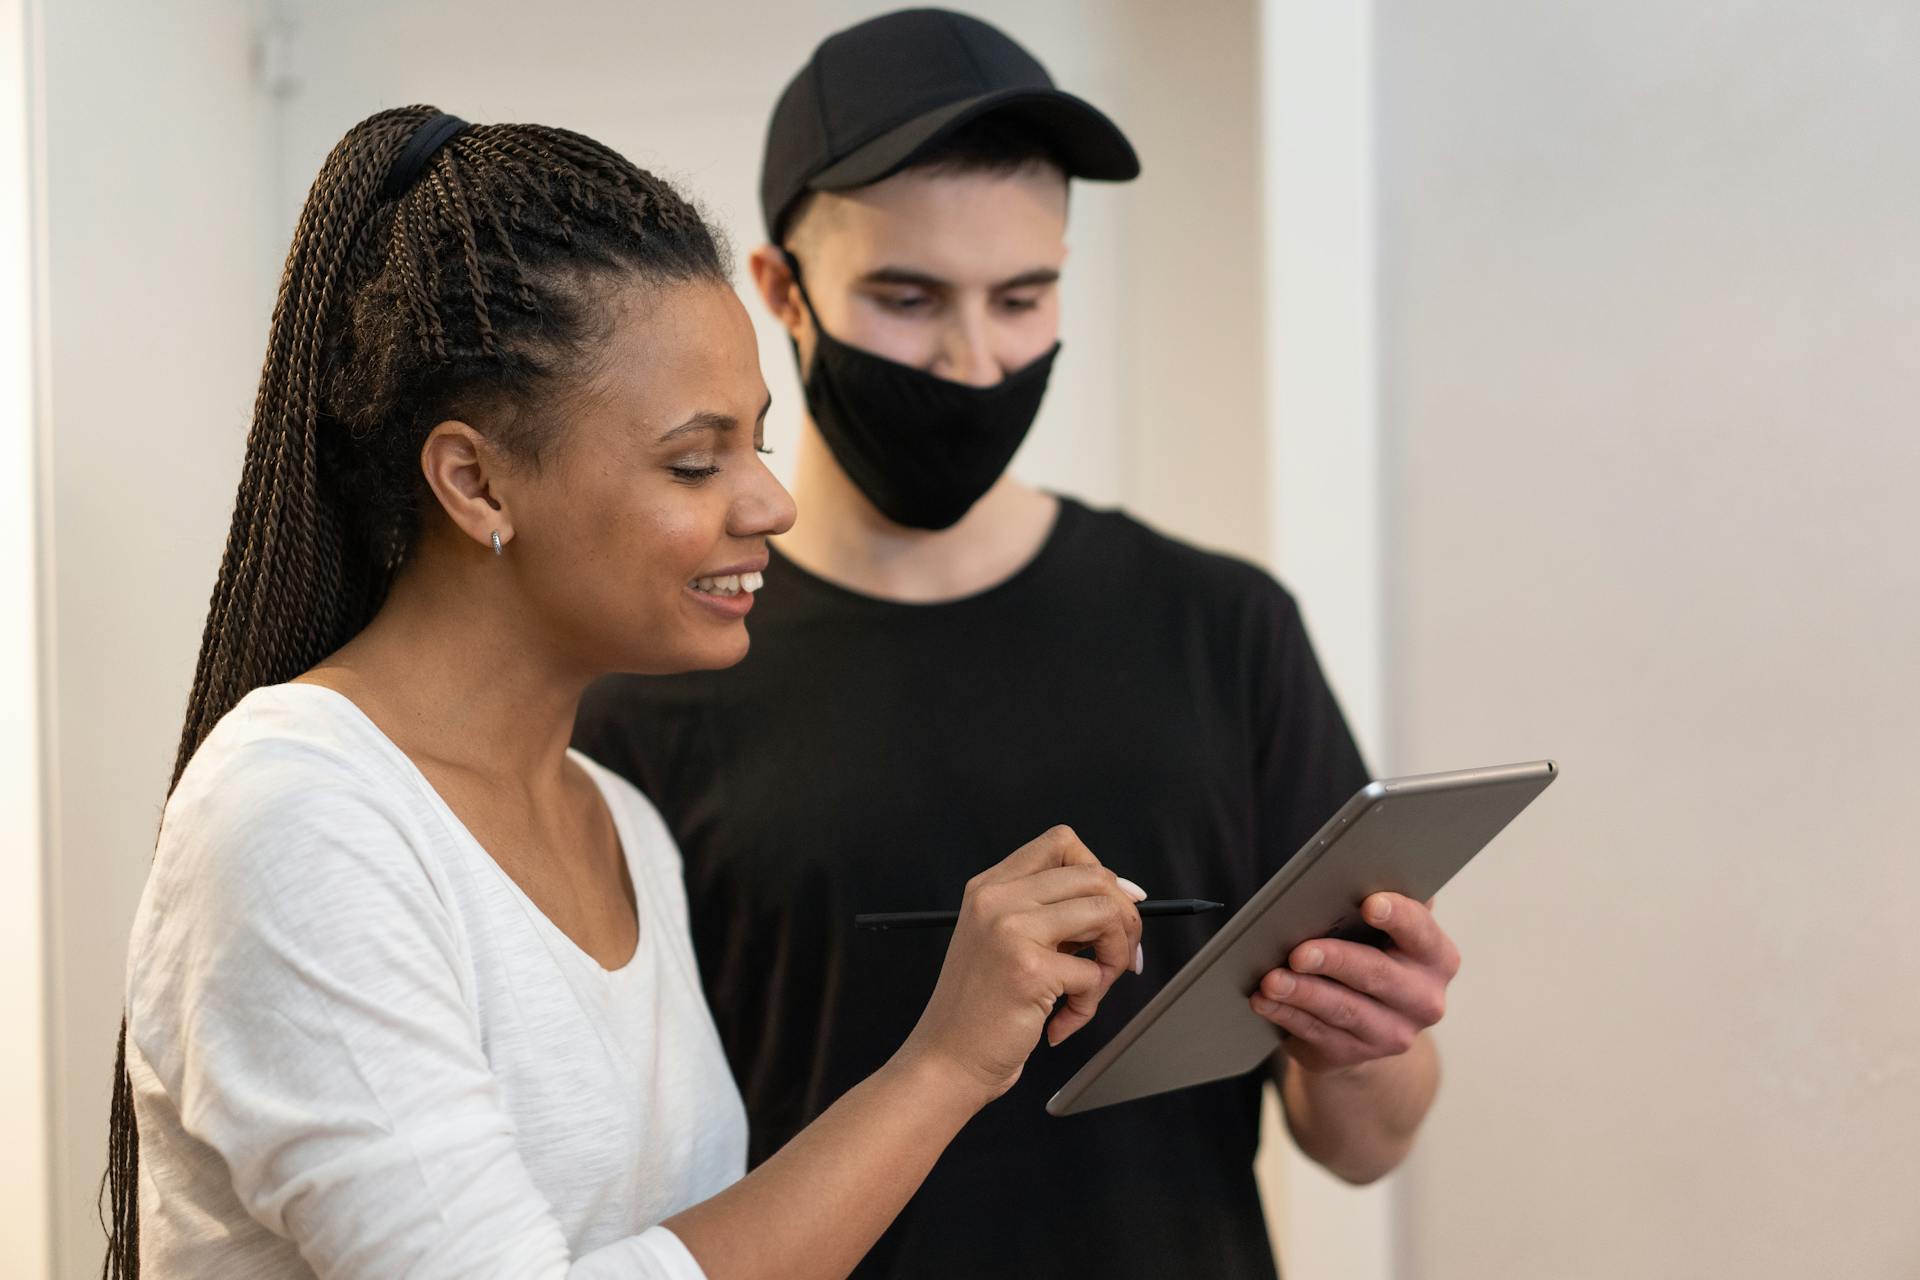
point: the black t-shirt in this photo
(873, 756)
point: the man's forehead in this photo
(950, 224)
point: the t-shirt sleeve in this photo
(1307, 763)
(301, 997)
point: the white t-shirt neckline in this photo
(464, 835)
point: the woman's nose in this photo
(764, 509)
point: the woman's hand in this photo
(820, 1202)
(1012, 959)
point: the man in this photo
(946, 662)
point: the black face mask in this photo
(922, 449)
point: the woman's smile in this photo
(729, 592)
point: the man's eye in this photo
(906, 302)
(1020, 304)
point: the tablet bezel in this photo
(1507, 789)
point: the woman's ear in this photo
(465, 472)
(773, 280)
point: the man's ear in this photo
(773, 280)
(465, 472)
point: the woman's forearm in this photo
(816, 1207)
(1010, 975)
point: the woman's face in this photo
(642, 534)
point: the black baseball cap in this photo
(875, 96)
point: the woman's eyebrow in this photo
(706, 420)
(713, 420)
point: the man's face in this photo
(951, 272)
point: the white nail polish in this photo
(1139, 957)
(1131, 889)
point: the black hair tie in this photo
(426, 140)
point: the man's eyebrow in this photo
(906, 276)
(1029, 279)
(921, 280)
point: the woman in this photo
(410, 990)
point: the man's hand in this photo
(1346, 1003)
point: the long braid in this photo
(472, 293)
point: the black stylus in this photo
(881, 921)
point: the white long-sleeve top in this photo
(358, 1049)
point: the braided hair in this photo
(474, 291)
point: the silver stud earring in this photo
(496, 543)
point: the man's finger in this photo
(1413, 929)
(1402, 986)
(1331, 1045)
(1362, 1017)
(1356, 964)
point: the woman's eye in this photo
(763, 451)
(693, 475)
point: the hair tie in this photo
(426, 140)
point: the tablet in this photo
(1403, 835)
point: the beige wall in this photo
(1192, 398)
(1323, 475)
(1651, 306)
(25, 1191)
(158, 309)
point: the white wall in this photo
(1323, 475)
(158, 311)
(1651, 297)
(25, 1185)
(1192, 399)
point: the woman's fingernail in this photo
(1131, 889)
(1139, 957)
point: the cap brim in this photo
(1087, 143)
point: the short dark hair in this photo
(1000, 142)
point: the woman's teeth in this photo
(731, 584)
